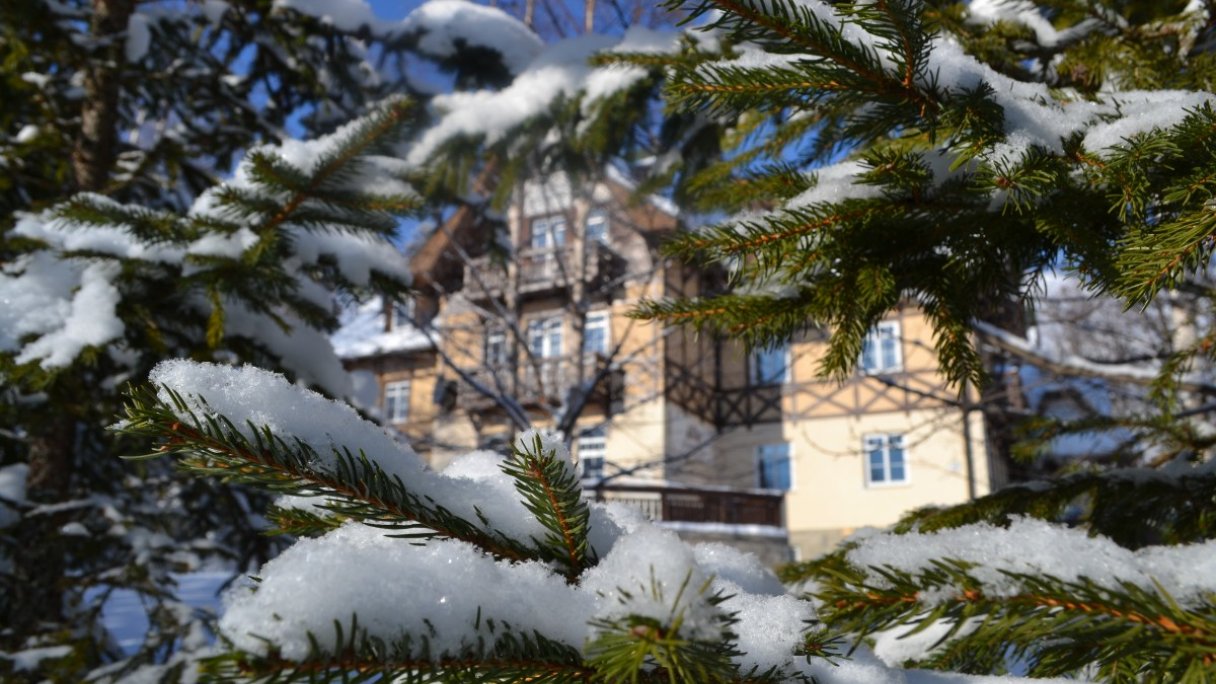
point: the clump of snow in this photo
(1026, 13)
(230, 245)
(909, 642)
(264, 398)
(652, 573)
(12, 490)
(36, 79)
(28, 133)
(743, 570)
(1142, 112)
(394, 587)
(836, 183)
(139, 36)
(86, 318)
(214, 10)
(301, 349)
(448, 25)
(251, 395)
(1029, 546)
(561, 70)
(550, 443)
(68, 236)
(769, 628)
(28, 660)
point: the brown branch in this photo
(576, 565)
(96, 147)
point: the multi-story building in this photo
(527, 322)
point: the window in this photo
(773, 466)
(496, 349)
(403, 313)
(397, 401)
(886, 461)
(548, 232)
(770, 366)
(597, 227)
(596, 335)
(545, 337)
(591, 451)
(880, 350)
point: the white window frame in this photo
(396, 403)
(753, 369)
(549, 232)
(592, 444)
(873, 359)
(597, 217)
(789, 464)
(882, 443)
(598, 320)
(496, 354)
(548, 331)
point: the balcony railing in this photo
(545, 380)
(667, 503)
(542, 269)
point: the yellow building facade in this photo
(527, 322)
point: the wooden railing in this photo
(542, 380)
(692, 504)
(540, 269)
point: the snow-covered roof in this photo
(362, 333)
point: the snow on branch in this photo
(627, 600)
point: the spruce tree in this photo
(145, 107)
(949, 154)
(975, 158)
(104, 292)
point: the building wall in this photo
(830, 498)
(677, 383)
(419, 369)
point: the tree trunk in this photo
(96, 147)
(40, 557)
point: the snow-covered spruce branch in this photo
(1132, 506)
(506, 573)
(352, 486)
(988, 590)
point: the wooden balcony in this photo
(541, 271)
(544, 381)
(674, 503)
